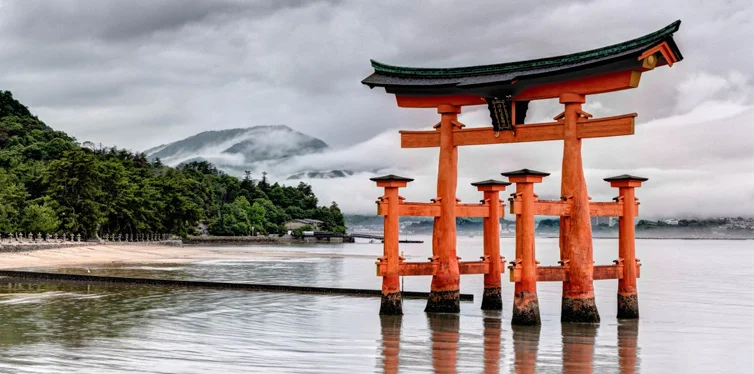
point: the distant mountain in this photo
(330, 174)
(235, 150)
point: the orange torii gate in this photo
(507, 89)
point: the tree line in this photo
(50, 183)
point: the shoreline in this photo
(103, 254)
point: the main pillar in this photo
(575, 230)
(491, 298)
(445, 291)
(628, 298)
(391, 303)
(525, 300)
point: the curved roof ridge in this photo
(573, 58)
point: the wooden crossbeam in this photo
(433, 210)
(409, 268)
(560, 273)
(535, 132)
(596, 84)
(559, 208)
(475, 267)
(430, 268)
(544, 208)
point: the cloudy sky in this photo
(140, 73)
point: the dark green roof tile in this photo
(391, 177)
(494, 80)
(524, 172)
(491, 182)
(626, 177)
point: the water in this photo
(696, 302)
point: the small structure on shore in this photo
(506, 89)
(294, 224)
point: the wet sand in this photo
(140, 254)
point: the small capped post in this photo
(525, 300)
(492, 299)
(389, 264)
(628, 297)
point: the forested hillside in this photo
(50, 183)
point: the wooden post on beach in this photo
(628, 298)
(445, 287)
(578, 303)
(391, 303)
(525, 300)
(491, 298)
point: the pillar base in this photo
(443, 302)
(391, 304)
(491, 300)
(628, 306)
(526, 310)
(582, 310)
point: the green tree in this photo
(39, 218)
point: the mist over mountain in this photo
(328, 174)
(237, 150)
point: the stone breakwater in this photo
(60, 277)
(38, 246)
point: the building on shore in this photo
(294, 224)
(604, 221)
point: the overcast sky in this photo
(141, 73)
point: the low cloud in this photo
(141, 73)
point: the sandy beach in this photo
(139, 254)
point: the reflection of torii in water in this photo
(506, 90)
(577, 352)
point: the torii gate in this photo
(506, 89)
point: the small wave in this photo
(158, 268)
(34, 298)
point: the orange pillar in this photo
(492, 299)
(391, 287)
(525, 300)
(444, 292)
(575, 230)
(628, 298)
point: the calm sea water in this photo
(696, 302)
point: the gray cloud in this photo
(141, 73)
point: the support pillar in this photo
(391, 303)
(628, 298)
(445, 292)
(578, 303)
(491, 298)
(525, 300)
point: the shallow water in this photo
(696, 302)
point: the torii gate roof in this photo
(501, 80)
